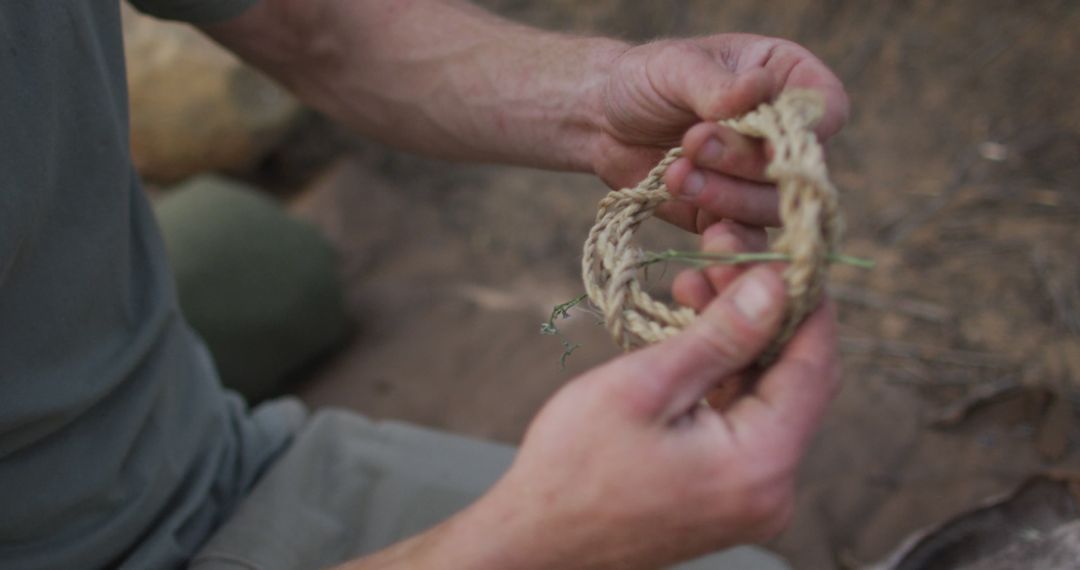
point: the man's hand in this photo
(444, 78)
(626, 468)
(660, 92)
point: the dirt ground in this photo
(961, 177)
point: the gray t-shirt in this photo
(118, 447)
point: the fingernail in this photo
(711, 151)
(752, 297)
(692, 185)
(720, 241)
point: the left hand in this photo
(656, 92)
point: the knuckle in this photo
(672, 61)
(661, 54)
(787, 51)
(674, 51)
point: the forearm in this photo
(439, 77)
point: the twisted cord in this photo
(809, 213)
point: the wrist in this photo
(482, 537)
(492, 534)
(600, 62)
(518, 524)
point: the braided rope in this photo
(808, 211)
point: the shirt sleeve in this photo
(193, 11)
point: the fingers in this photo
(730, 237)
(812, 74)
(679, 214)
(712, 147)
(793, 66)
(792, 395)
(695, 288)
(665, 380)
(723, 196)
(691, 289)
(625, 166)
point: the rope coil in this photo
(809, 214)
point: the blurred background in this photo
(960, 173)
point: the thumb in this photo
(665, 380)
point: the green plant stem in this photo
(562, 311)
(705, 258)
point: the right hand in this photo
(624, 468)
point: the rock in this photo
(261, 288)
(195, 107)
(1036, 527)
